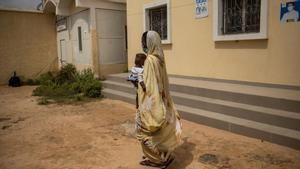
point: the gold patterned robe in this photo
(157, 121)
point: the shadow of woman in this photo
(183, 155)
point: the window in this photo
(240, 19)
(158, 21)
(79, 39)
(157, 18)
(241, 16)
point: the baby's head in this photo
(140, 59)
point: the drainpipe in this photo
(94, 42)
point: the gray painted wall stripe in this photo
(230, 119)
(265, 110)
(243, 122)
(259, 84)
(237, 88)
(282, 86)
(281, 93)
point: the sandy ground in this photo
(100, 135)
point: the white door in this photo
(63, 48)
(63, 51)
(111, 33)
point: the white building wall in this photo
(103, 35)
(111, 36)
(65, 55)
(81, 19)
(81, 59)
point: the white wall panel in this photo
(111, 36)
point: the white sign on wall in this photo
(61, 25)
(201, 8)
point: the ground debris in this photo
(2, 119)
(10, 123)
(270, 159)
(20, 119)
(6, 127)
(128, 128)
(215, 160)
(208, 159)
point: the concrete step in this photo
(276, 98)
(275, 134)
(121, 86)
(270, 116)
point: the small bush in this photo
(46, 78)
(43, 101)
(86, 75)
(79, 97)
(31, 82)
(67, 74)
(87, 84)
(92, 89)
(44, 90)
(68, 84)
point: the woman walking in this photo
(157, 122)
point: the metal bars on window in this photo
(241, 16)
(158, 21)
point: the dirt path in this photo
(100, 135)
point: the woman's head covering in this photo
(154, 45)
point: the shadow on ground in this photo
(183, 155)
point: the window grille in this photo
(158, 21)
(241, 16)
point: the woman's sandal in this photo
(149, 163)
